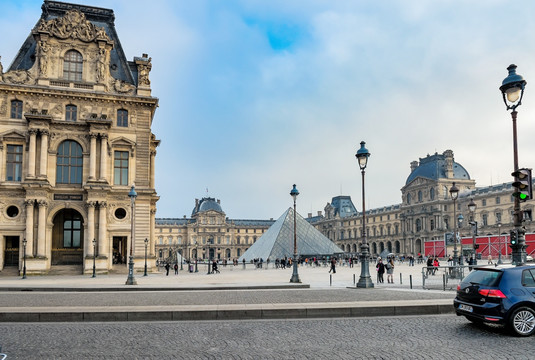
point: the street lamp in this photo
(146, 245)
(196, 256)
(132, 195)
(295, 276)
(24, 242)
(454, 193)
(500, 244)
(472, 208)
(512, 92)
(460, 219)
(208, 254)
(94, 258)
(365, 280)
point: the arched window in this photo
(420, 196)
(72, 66)
(432, 193)
(409, 199)
(69, 163)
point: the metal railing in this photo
(443, 277)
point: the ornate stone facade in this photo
(208, 229)
(426, 211)
(75, 134)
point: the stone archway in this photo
(68, 238)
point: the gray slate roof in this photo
(434, 167)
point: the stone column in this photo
(152, 168)
(103, 156)
(41, 229)
(102, 227)
(90, 228)
(29, 226)
(43, 166)
(151, 235)
(31, 155)
(93, 157)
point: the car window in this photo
(484, 277)
(528, 278)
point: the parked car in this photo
(499, 295)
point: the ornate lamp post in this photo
(132, 195)
(500, 244)
(512, 92)
(472, 208)
(24, 242)
(146, 245)
(365, 280)
(295, 276)
(196, 256)
(460, 219)
(208, 242)
(94, 258)
(454, 193)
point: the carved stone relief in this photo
(73, 25)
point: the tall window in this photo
(72, 66)
(16, 109)
(69, 163)
(420, 196)
(432, 194)
(122, 118)
(120, 166)
(14, 163)
(70, 112)
(72, 229)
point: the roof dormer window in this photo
(72, 66)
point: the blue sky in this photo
(258, 95)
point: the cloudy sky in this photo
(258, 95)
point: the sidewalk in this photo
(233, 294)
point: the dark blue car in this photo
(502, 295)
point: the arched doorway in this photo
(418, 246)
(374, 248)
(397, 247)
(68, 238)
(227, 253)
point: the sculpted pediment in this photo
(73, 25)
(121, 140)
(12, 135)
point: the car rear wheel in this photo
(522, 321)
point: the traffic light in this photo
(522, 184)
(514, 237)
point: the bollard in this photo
(354, 281)
(444, 282)
(410, 280)
(331, 280)
(400, 279)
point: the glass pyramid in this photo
(278, 240)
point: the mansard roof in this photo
(343, 206)
(120, 68)
(433, 167)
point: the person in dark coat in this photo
(167, 267)
(176, 269)
(333, 266)
(380, 271)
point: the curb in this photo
(229, 312)
(152, 288)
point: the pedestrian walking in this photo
(390, 271)
(176, 269)
(333, 266)
(167, 267)
(380, 271)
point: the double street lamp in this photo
(512, 92)
(132, 195)
(472, 208)
(365, 280)
(454, 193)
(146, 245)
(94, 258)
(24, 242)
(295, 276)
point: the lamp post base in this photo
(365, 280)
(130, 280)
(295, 275)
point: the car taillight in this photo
(495, 293)
(458, 287)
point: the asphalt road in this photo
(424, 337)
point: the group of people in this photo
(433, 264)
(382, 267)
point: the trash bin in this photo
(191, 268)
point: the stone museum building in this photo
(75, 135)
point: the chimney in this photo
(309, 215)
(448, 155)
(414, 165)
(319, 213)
(218, 201)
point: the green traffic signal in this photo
(523, 184)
